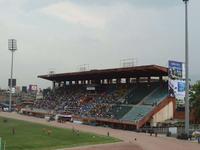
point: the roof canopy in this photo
(130, 72)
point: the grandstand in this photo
(126, 98)
(137, 112)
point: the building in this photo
(143, 98)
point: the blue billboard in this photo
(175, 70)
(176, 82)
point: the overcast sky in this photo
(63, 34)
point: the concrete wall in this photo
(164, 114)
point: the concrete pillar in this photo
(111, 81)
(83, 82)
(108, 81)
(161, 79)
(118, 81)
(88, 81)
(137, 80)
(103, 81)
(127, 80)
(149, 79)
(70, 82)
(54, 85)
(64, 83)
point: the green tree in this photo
(195, 99)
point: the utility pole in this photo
(187, 105)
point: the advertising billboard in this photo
(176, 83)
(14, 82)
(33, 88)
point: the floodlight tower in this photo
(187, 110)
(12, 46)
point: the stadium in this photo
(106, 102)
(126, 98)
(151, 101)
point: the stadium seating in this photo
(156, 96)
(119, 110)
(124, 102)
(137, 112)
(137, 93)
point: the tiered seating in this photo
(121, 91)
(119, 110)
(110, 89)
(108, 101)
(137, 113)
(136, 94)
(87, 108)
(156, 96)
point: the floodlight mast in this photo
(187, 105)
(12, 46)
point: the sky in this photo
(61, 35)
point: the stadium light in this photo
(12, 46)
(187, 109)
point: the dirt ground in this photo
(143, 141)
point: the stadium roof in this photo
(130, 72)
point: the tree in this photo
(195, 99)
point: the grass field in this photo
(31, 136)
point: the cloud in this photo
(76, 14)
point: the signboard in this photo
(13, 82)
(177, 89)
(176, 70)
(176, 83)
(13, 90)
(32, 88)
